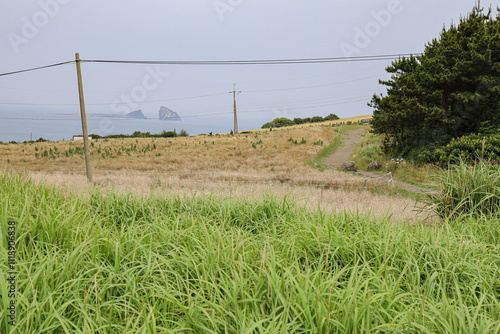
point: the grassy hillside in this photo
(113, 263)
(255, 152)
(258, 151)
(242, 166)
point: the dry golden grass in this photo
(331, 200)
(259, 152)
(244, 165)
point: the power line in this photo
(226, 62)
(104, 91)
(194, 113)
(270, 110)
(254, 62)
(163, 100)
(36, 68)
(283, 61)
(309, 99)
(285, 105)
(106, 104)
(186, 98)
(308, 87)
(328, 74)
(291, 106)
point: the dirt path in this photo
(400, 184)
(343, 155)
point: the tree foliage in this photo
(278, 123)
(139, 134)
(467, 149)
(451, 90)
(283, 121)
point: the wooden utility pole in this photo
(235, 115)
(84, 118)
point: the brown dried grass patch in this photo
(333, 200)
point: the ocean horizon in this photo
(25, 126)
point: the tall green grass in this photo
(469, 189)
(111, 263)
(369, 149)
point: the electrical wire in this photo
(270, 110)
(187, 115)
(108, 104)
(224, 62)
(331, 74)
(253, 62)
(104, 91)
(283, 61)
(184, 98)
(308, 87)
(36, 68)
(288, 103)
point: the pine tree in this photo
(451, 90)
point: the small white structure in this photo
(80, 137)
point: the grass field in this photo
(229, 166)
(173, 248)
(206, 153)
(244, 166)
(113, 263)
(260, 151)
(242, 152)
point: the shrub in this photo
(278, 123)
(316, 119)
(467, 148)
(331, 117)
(168, 134)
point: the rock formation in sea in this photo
(136, 115)
(166, 114)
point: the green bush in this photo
(183, 133)
(283, 121)
(168, 134)
(278, 123)
(467, 148)
(331, 117)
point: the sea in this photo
(24, 126)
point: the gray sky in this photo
(35, 33)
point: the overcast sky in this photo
(36, 33)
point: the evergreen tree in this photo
(452, 89)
